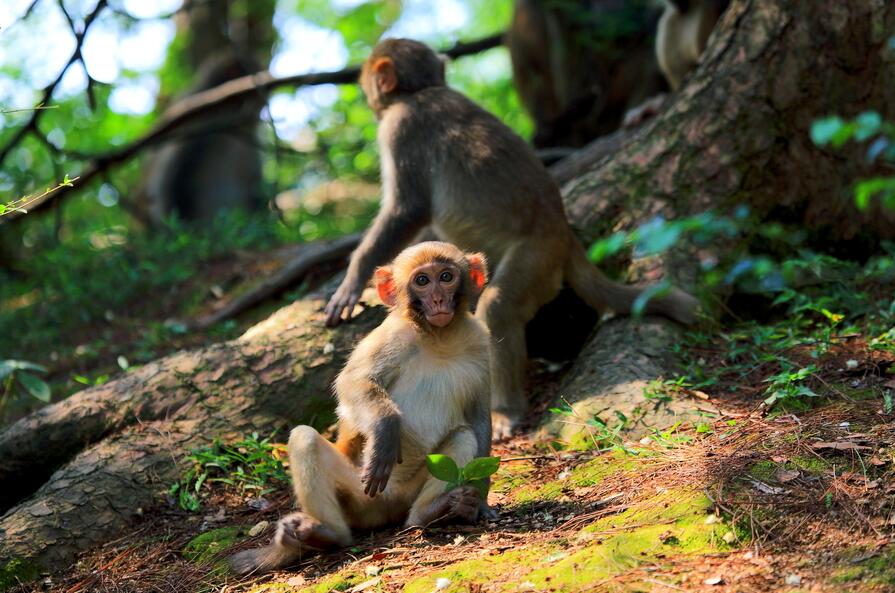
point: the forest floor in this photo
(794, 494)
(745, 501)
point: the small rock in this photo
(365, 585)
(712, 519)
(748, 555)
(258, 528)
(373, 570)
(442, 583)
(459, 540)
(563, 474)
(527, 586)
(844, 424)
(793, 580)
(645, 441)
(329, 348)
(729, 537)
(296, 581)
(851, 364)
(713, 581)
(258, 504)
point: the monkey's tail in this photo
(602, 293)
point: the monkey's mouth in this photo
(440, 319)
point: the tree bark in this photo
(738, 131)
(104, 455)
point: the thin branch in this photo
(47, 93)
(193, 106)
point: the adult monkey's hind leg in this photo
(319, 471)
(523, 283)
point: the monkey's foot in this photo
(461, 505)
(296, 534)
(503, 424)
(302, 531)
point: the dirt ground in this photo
(745, 501)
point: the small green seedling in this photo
(22, 374)
(474, 473)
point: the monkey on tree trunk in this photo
(418, 384)
(450, 164)
(580, 65)
(681, 38)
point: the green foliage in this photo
(19, 376)
(247, 465)
(21, 205)
(866, 127)
(602, 435)
(474, 473)
(789, 386)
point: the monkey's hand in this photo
(346, 297)
(383, 453)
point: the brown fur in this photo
(409, 389)
(450, 164)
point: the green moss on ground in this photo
(513, 564)
(875, 570)
(512, 476)
(206, 547)
(17, 571)
(590, 473)
(674, 524)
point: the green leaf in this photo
(606, 247)
(36, 387)
(657, 236)
(658, 289)
(823, 130)
(482, 487)
(480, 468)
(443, 467)
(868, 124)
(7, 367)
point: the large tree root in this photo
(105, 454)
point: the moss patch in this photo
(207, 546)
(513, 565)
(587, 474)
(673, 524)
(876, 570)
(512, 476)
(17, 571)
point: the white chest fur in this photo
(433, 392)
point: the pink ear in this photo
(385, 75)
(478, 270)
(385, 286)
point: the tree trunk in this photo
(105, 454)
(737, 132)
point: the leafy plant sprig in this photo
(474, 473)
(22, 374)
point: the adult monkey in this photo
(683, 33)
(579, 65)
(417, 384)
(682, 36)
(450, 164)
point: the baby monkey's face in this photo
(433, 289)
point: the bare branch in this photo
(193, 106)
(47, 93)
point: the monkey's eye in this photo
(446, 276)
(421, 280)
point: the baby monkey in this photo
(417, 384)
